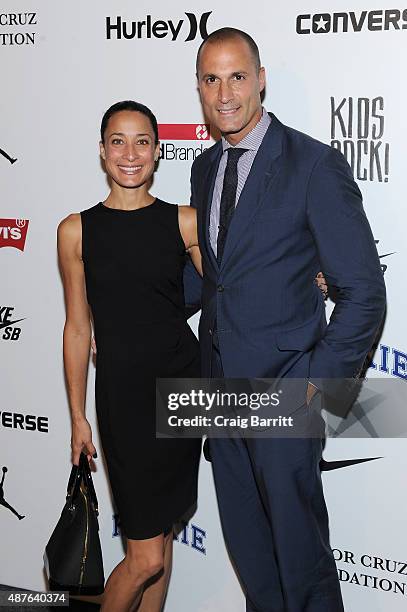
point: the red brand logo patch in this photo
(183, 131)
(13, 233)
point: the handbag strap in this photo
(73, 485)
(72, 480)
(88, 481)
(81, 474)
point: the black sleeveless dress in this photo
(133, 263)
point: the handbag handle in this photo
(81, 473)
(89, 483)
(73, 478)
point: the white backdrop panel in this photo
(53, 96)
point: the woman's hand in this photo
(81, 440)
(321, 284)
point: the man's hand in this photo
(311, 390)
(321, 283)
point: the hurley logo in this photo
(117, 27)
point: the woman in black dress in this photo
(122, 262)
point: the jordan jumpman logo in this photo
(3, 501)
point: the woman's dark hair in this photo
(128, 105)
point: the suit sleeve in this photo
(192, 279)
(350, 263)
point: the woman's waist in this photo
(148, 342)
(136, 321)
(129, 326)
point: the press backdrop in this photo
(335, 72)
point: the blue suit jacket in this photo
(300, 212)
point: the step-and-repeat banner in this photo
(335, 73)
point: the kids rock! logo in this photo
(182, 131)
(117, 27)
(13, 233)
(357, 130)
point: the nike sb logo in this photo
(11, 332)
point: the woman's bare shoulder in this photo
(187, 213)
(70, 226)
(69, 234)
(188, 225)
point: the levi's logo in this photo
(13, 233)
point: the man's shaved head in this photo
(226, 35)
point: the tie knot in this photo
(234, 154)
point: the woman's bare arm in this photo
(189, 233)
(77, 331)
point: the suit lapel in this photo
(206, 194)
(265, 168)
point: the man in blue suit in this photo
(274, 208)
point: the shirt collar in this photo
(253, 139)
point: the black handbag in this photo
(73, 556)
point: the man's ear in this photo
(262, 78)
(102, 150)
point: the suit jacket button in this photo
(221, 287)
(210, 332)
